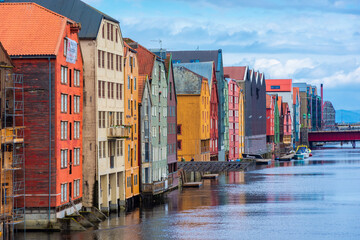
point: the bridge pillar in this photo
(353, 143)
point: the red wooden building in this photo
(44, 47)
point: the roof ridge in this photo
(37, 5)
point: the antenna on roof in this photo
(198, 48)
(160, 43)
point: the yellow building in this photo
(241, 122)
(132, 121)
(193, 115)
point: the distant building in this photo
(329, 116)
(216, 57)
(207, 70)
(193, 95)
(296, 115)
(52, 67)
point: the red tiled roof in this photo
(285, 85)
(145, 58)
(30, 29)
(237, 73)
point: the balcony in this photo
(154, 188)
(12, 135)
(119, 132)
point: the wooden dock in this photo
(287, 157)
(192, 184)
(215, 167)
(210, 176)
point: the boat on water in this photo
(302, 152)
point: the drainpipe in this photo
(49, 217)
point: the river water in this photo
(317, 198)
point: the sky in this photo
(313, 41)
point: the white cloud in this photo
(274, 68)
(340, 78)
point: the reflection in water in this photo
(317, 198)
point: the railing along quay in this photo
(214, 167)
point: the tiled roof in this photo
(186, 81)
(145, 57)
(237, 73)
(282, 85)
(29, 29)
(205, 69)
(295, 94)
(141, 85)
(89, 17)
(201, 56)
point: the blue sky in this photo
(314, 41)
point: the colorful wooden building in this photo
(132, 166)
(234, 92)
(193, 128)
(207, 70)
(216, 57)
(173, 179)
(50, 60)
(152, 71)
(241, 120)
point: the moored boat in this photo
(302, 152)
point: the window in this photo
(116, 35)
(65, 46)
(76, 130)
(76, 156)
(109, 90)
(134, 84)
(112, 90)
(64, 132)
(99, 58)
(64, 102)
(128, 87)
(112, 61)
(103, 59)
(179, 129)
(64, 192)
(112, 32)
(76, 188)
(108, 31)
(76, 78)
(120, 147)
(103, 31)
(101, 89)
(64, 73)
(76, 104)
(63, 157)
(108, 60)
(179, 146)
(129, 153)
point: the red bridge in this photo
(335, 136)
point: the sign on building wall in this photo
(71, 54)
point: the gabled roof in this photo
(296, 93)
(7, 57)
(187, 82)
(201, 56)
(145, 58)
(269, 100)
(278, 85)
(89, 17)
(142, 81)
(30, 29)
(285, 107)
(205, 69)
(237, 73)
(170, 70)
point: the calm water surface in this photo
(317, 198)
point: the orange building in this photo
(193, 116)
(44, 47)
(131, 120)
